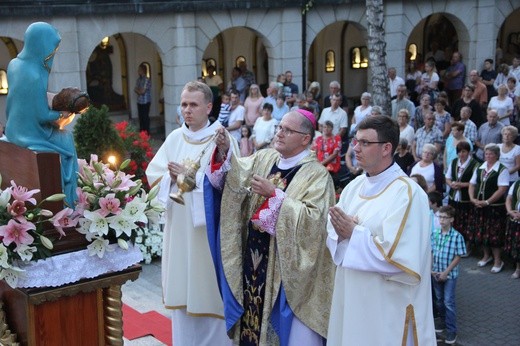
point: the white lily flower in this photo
(84, 228)
(135, 211)
(121, 223)
(98, 247)
(99, 223)
(4, 257)
(25, 251)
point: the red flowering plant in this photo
(22, 223)
(138, 148)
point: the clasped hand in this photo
(343, 224)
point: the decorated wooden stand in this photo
(86, 312)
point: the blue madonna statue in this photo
(31, 123)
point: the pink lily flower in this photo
(22, 194)
(17, 232)
(17, 208)
(126, 182)
(64, 219)
(93, 158)
(82, 204)
(109, 204)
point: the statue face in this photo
(47, 62)
(41, 42)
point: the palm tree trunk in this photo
(377, 55)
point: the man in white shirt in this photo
(394, 81)
(236, 117)
(272, 94)
(336, 115)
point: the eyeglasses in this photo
(427, 152)
(444, 217)
(288, 132)
(363, 143)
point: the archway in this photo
(225, 48)
(339, 53)
(434, 37)
(9, 49)
(111, 75)
(230, 48)
(508, 40)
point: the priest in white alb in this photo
(379, 238)
(188, 277)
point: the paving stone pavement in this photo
(488, 305)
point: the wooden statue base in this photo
(87, 312)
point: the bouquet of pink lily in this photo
(22, 223)
(111, 206)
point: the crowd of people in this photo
(265, 194)
(472, 162)
(436, 108)
(238, 254)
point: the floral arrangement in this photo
(138, 148)
(22, 223)
(111, 207)
(149, 241)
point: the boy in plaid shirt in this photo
(447, 248)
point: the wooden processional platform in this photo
(87, 312)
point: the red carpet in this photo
(136, 325)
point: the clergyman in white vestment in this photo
(379, 238)
(188, 276)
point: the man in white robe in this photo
(188, 275)
(379, 237)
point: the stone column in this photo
(180, 64)
(66, 69)
(395, 37)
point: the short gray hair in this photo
(335, 83)
(377, 109)
(511, 129)
(431, 148)
(494, 148)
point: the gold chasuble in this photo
(297, 254)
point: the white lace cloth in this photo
(71, 267)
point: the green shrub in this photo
(94, 133)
